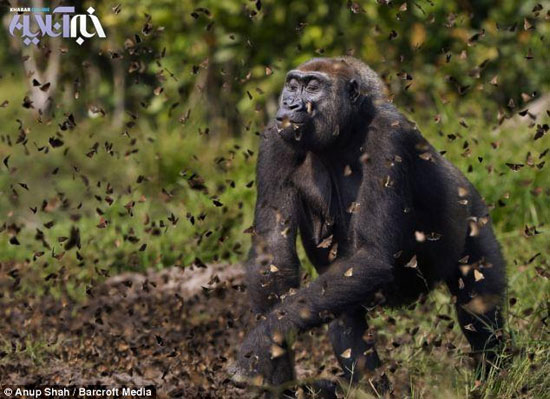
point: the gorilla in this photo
(382, 215)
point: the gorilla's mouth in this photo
(290, 129)
(286, 123)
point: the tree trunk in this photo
(31, 56)
(119, 83)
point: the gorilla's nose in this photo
(297, 106)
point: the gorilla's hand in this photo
(263, 359)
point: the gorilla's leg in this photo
(352, 345)
(479, 286)
(354, 349)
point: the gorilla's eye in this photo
(313, 85)
(292, 85)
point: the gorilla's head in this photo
(323, 97)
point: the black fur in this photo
(382, 216)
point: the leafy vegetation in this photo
(145, 159)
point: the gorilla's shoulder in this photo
(388, 116)
(392, 126)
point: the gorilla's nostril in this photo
(296, 107)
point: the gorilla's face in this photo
(314, 107)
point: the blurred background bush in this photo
(138, 150)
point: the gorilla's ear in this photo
(353, 90)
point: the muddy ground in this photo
(177, 330)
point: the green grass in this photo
(33, 351)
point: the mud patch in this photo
(175, 329)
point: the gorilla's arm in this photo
(337, 290)
(349, 282)
(273, 266)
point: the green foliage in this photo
(174, 183)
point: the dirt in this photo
(176, 329)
